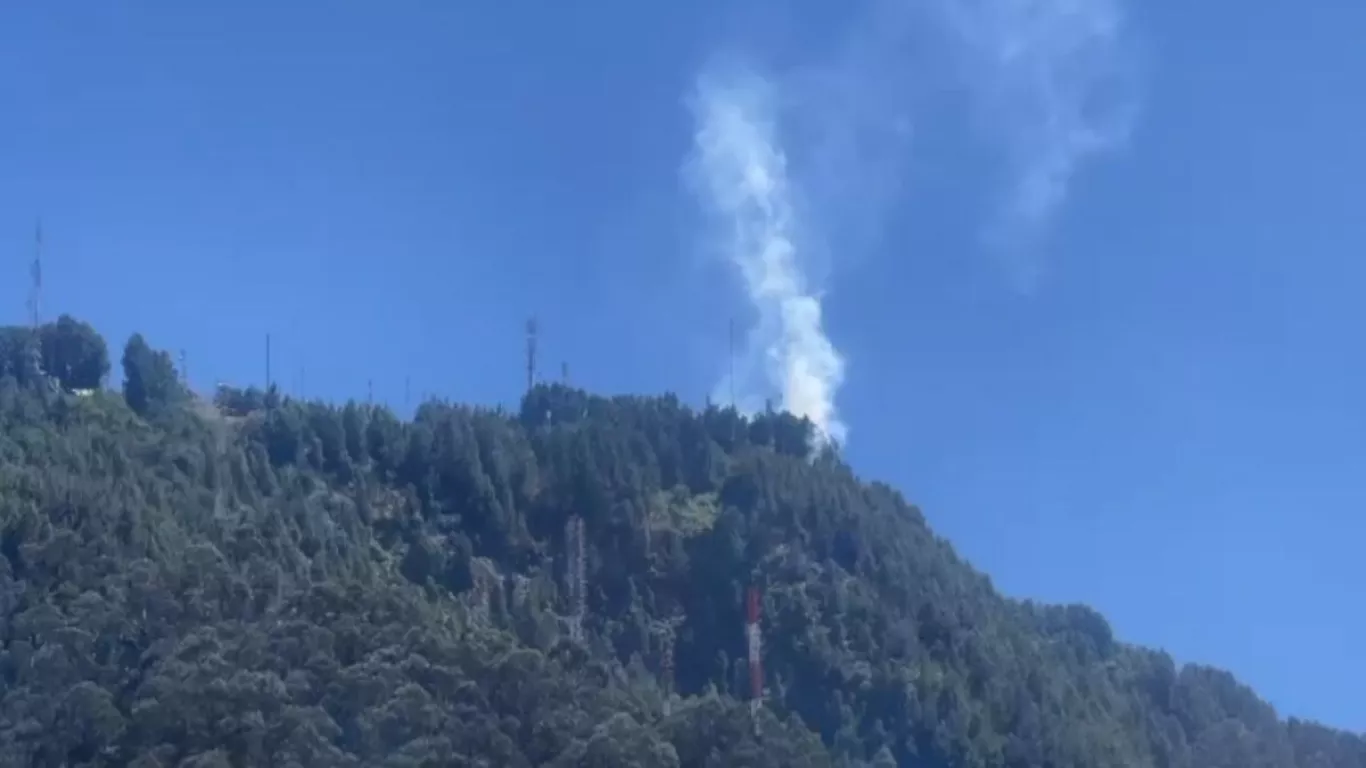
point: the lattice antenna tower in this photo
(570, 568)
(580, 571)
(668, 634)
(184, 371)
(35, 297)
(564, 372)
(731, 360)
(521, 590)
(531, 331)
(575, 557)
(666, 664)
(482, 598)
(756, 666)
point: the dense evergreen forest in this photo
(254, 580)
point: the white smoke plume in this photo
(1054, 82)
(801, 167)
(742, 173)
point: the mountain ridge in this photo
(269, 581)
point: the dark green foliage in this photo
(284, 583)
(150, 381)
(74, 353)
(239, 402)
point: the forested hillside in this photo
(251, 580)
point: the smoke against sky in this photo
(800, 166)
(1053, 83)
(742, 174)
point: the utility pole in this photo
(531, 329)
(731, 359)
(36, 300)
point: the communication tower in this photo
(35, 350)
(731, 360)
(668, 631)
(481, 597)
(756, 668)
(35, 296)
(531, 330)
(575, 557)
(666, 664)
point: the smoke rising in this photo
(1054, 83)
(741, 172)
(800, 167)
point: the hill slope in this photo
(268, 582)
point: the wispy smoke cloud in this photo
(1054, 83)
(802, 166)
(741, 172)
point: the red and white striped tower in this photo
(756, 668)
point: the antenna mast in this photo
(580, 575)
(575, 575)
(666, 662)
(531, 329)
(731, 358)
(36, 273)
(184, 371)
(668, 638)
(756, 669)
(267, 362)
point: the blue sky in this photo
(1149, 396)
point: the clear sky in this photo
(1088, 276)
